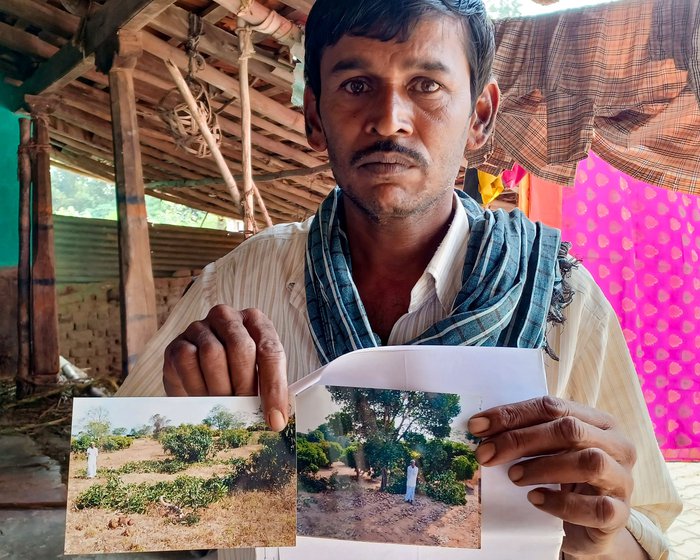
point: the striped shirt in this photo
(267, 272)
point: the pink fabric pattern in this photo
(641, 243)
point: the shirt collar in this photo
(443, 275)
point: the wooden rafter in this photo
(71, 61)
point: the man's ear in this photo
(483, 118)
(312, 121)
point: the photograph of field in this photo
(157, 474)
(387, 466)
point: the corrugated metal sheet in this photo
(87, 249)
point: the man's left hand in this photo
(583, 451)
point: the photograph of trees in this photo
(157, 474)
(387, 466)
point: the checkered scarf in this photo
(511, 284)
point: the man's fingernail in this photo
(535, 497)
(478, 425)
(485, 452)
(275, 419)
(516, 473)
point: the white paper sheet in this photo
(511, 527)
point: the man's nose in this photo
(390, 113)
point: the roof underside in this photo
(33, 31)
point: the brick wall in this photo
(89, 324)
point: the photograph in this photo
(387, 466)
(164, 473)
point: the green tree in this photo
(234, 438)
(310, 456)
(464, 466)
(188, 443)
(381, 420)
(143, 431)
(159, 423)
(97, 424)
(222, 418)
(86, 197)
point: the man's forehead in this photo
(436, 43)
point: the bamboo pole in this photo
(245, 36)
(184, 90)
(246, 49)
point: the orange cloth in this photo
(545, 202)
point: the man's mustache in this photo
(389, 146)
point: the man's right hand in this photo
(230, 353)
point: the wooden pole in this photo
(261, 205)
(23, 267)
(138, 300)
(246, 48)
(206, 133)
(45, 367)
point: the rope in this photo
(245, 6)
(196, 61)
(182, 125)
(245, 35)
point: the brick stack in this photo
(89, 324)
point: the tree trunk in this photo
(385, 478)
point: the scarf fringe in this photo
(563, 293)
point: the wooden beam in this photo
(139, 320)
(23, 42)
(214, 14)
(263, 105)
(44, 306)
(122, 15)
(217, 42)
(42, 15)
(263, 177)
(86, 164)
(71, 61)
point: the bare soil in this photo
(241, 520)
(362, 513)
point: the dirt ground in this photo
(241, 520)
(363, 513)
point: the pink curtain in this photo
(641, 243)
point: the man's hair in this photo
(387, 20)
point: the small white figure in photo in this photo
(92, 460)
(411, 481)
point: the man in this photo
(411, 482)
(92, 453)
(396, 91)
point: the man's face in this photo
(395, 117)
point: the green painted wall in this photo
(9, 188)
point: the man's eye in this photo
(427, 86)
(355, 87)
